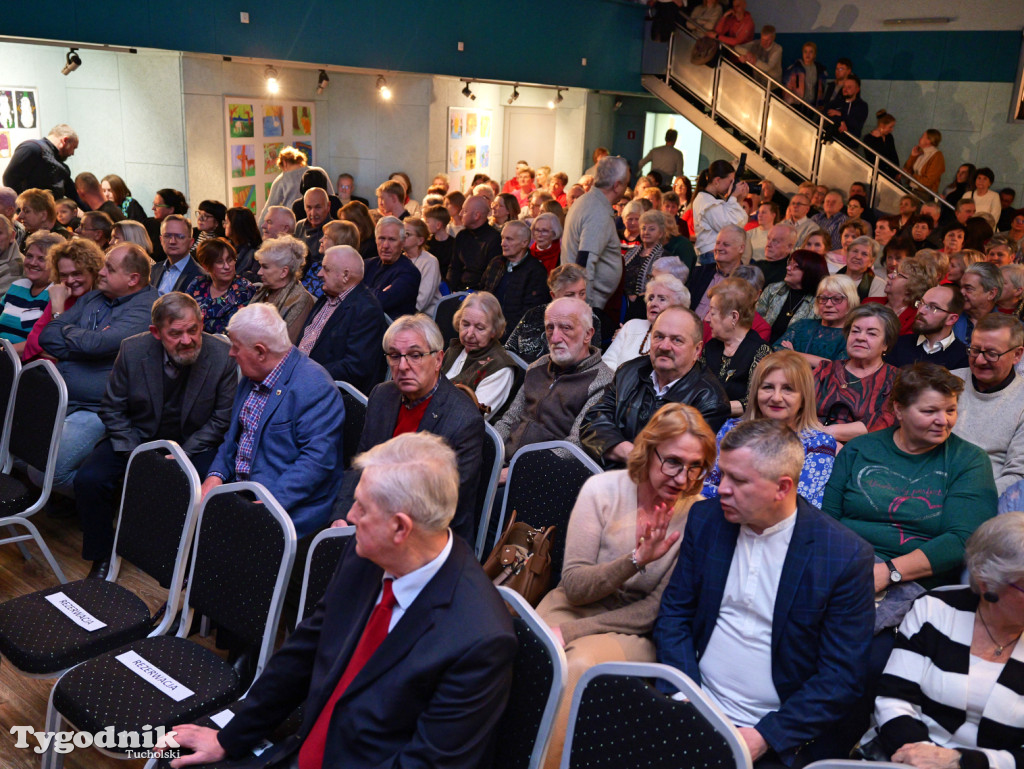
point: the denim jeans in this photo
(82, 431)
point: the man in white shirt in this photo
(933, 339)
(765, 54)
(767, 579)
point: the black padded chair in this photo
(10, 370)
(539, 677)
(842, 763)
(33, 428)
(444, 314)
(491, 462)
(543, 482)
(242, 558)
(154, 532)
(355, 418)
(619, 719)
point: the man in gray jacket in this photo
(85, 341)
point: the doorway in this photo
(529, 136)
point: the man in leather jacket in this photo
(670, 374)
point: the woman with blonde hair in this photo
(621, 548)
(782, 388)
(926, 164)
(734, 349)
(130, 231)
(904, 288)
(285, 187)
(821, 338)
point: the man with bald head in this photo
(560, 387)
(475, 246)
(318, 212)
(779, 245)
(346, 326)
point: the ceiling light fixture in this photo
(273, 84)
(557, 100)
(322, 81)
(515, 93)
(382, 87)
(72, 62)
(466, 92)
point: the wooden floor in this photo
(22, 699)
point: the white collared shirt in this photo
(408, 588)
(660, 391)
(743, 630)
(931, 349)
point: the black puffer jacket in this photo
(629, 402)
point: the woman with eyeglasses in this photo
(734, 349)
(821, 338)
(904, 288)
(165, 202)
(621, 548)
(782, 388)
(547, 244)
(792, 298)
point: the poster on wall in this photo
(469, 145)
(19, 120)
(257, 131)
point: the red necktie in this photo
(311, 754)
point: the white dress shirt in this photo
(408, 588)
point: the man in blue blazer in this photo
(770, 608)
(430, 690)
(179, 269)
(346, 326)
(285, 429)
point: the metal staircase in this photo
(743, 110)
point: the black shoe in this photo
(99, 570)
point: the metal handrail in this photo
(769, 83)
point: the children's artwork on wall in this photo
(256, 131)
(19, 119)
(467, 156)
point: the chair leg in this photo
(25, 552)
(51, 758)
(40, 543)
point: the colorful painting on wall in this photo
(240, 116)
(273, 120)
(19, 119)
(270, 153)
(467, 154)
(302, 121)
(244, 197)
(243, 160)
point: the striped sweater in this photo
(922, 695)
(19, 310)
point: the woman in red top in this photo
(904, 287)
(546, 246)
(736, 26)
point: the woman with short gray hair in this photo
(634, 338)
(281, 261)
(950, 694)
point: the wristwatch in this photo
(894, 574)
(636, 565)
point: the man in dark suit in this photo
(286, 423)
(420, 399)
(345, 329)
(174, 383)
(766, 578)
(407, 660)
(392, 277)
(179, 269)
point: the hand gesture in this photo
(59, 294)
(740, 190)
(656, 540)
(915, 151)
(200, 739)
(925, 755)
(787, 344)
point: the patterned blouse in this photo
(820, 454)
(217, 312)
(843, 398)
(809, 336)
(312, 282)
(774, 297)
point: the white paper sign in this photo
(158, 678)
(74, 612)
(223, 718)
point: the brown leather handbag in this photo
(522, 560)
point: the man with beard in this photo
(173, 383)
(40, 163)
(933, 339)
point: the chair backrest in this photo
(355, 418)
(40, 405)
(543, 482)
(444, 314)
(491, 462)
(10, 369)
(539, 677)
(159, 506)
(325, 553)
(846, 763)
(243, 555)
(650, 728)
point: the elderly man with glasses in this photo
(419, 399)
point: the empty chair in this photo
(355, 418)
(619, 719)
(154, 533)
(542, 484)
(33, 428)
(444, 314)
(491, 462)
(538, 685)
(242, 557)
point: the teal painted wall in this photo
(529, 40)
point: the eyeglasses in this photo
(395, 358)
(173, 236)
(161, 205)
(203, 216)
(922, 305)
(829, 299)
(990, 355)
(672, 467)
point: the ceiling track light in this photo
(515, 93)
(71, 62)
(322, 81)
(382, 87)
(466, 92)
(273, 84)
(557, 100)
